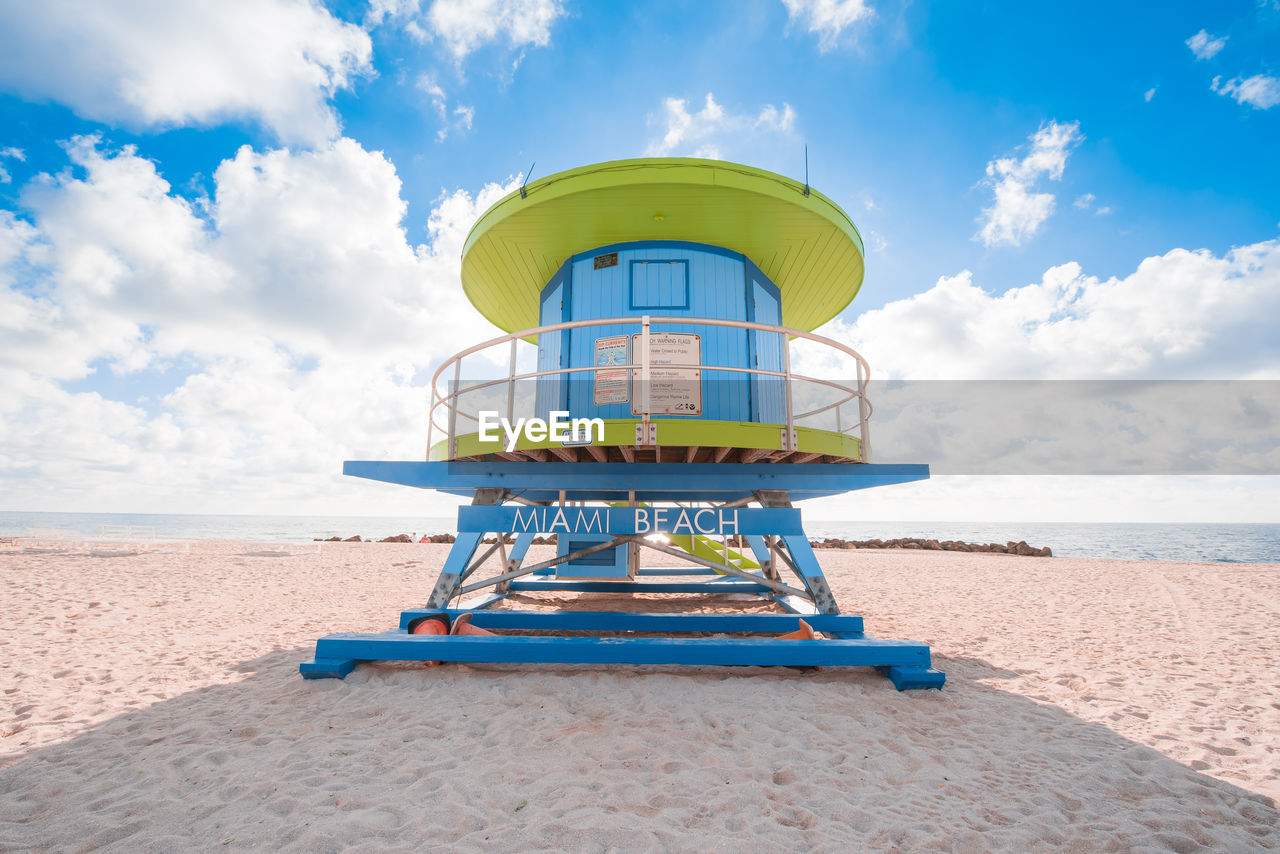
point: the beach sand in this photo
(153, 703)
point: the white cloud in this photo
(459, 118)
(1086, 201)
(1185, 314)
(1149, 94)
(1018, 211)
(828, 18)
(466, 25)
(10, 153)
(771, 118)
(465, 115)
(154, 63)
(701, 133)
(1259, 91)
(1205, 46)
(300, 321)
(381, 10)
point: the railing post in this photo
(644, 373)
(786, 368)
(453, 410)
(511, 385)
(431, 412)
(864, 417)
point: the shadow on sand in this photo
(405, 757)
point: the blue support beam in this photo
(460, 554)
(587, 586)
(649, 481)
(340, 649)
(627, 621)
(520, 547)
(673, 571)
(759, 548)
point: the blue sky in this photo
(229, 233)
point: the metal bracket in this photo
(646, 433)
(446, 584)
(822, 598)
(789, 439)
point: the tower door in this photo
(767, 404)
(552, 390)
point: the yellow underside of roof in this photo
(807, 245)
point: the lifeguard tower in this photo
(664, 309)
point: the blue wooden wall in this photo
(665, 279)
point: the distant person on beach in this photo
(424, 539)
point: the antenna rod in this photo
(523, 194)
(806, 168)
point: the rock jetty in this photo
(1009, 548)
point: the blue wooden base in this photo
(399, 646)
(907, 677)
(905, 662)
(773, 532)
(327, 668)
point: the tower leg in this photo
(764, 556)
(806, 566)
(455, 567)
(514, 559)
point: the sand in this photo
(153, 703)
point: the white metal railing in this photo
(450, 399)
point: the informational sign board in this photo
(672, 391)
(611, 386)
(579, 434)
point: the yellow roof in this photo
(807, 245)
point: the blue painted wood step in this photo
(625, 621)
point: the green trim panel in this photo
(680, 433)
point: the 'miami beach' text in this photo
(647, 520)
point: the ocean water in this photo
(201, 527)
(1222, 543)
(1201, 542)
